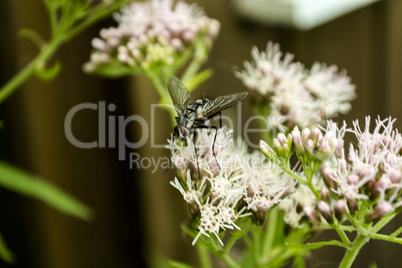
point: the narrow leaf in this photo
(48, 73)
(318, 244)
(14, 179)
(33, 36)
(176, 264)
(5, 254)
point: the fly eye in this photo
(183, 131)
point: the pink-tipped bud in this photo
(267, 151)
(315, 134)
(340, 209)
(352, 179)
(325, 195)
(382, 208)
(326, 211)
(395, 175)
(353, 205)
(328, 176)
(311, 214)
(297, 141)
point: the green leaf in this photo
(115, 69)
(318, 245)
(33, 36)
(199, 79)
(49, 73)
(14, 179)
(176, 264)
(5, 254)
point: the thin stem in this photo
(203, 255)
(397, 232)
(50, 48)
(200, 57)
(256, 233)
(351, 254)
(271, 231)
(386, 238)
(236, 236)
(229, 261)
(15, 82)
(91, 19)
(343, 236)
(295, 176)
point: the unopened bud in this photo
(353, 205)
(352, 179)
(328, 176)
(340, 208)
(325, 210)
(311, 214)
(395, 175)
(383, 184)
(382, 208)
(325, 195)
(267, 151)
(297, 141)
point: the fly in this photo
(192, 115)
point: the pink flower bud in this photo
(382, 208)
(325, 195)
(267, 151)
(395, 175)
(326, 211)
(352, 179)
(353, 205)
(328, 175)
(311, 214)
(340, 208)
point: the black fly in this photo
(192, 115)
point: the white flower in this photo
(266, 188)
(294, 204)
(296, 96)
(215, 218)
(327, 85)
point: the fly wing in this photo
(214, 106)
(179, 94)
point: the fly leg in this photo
(213, 144)
(195, 151)
(170, 159)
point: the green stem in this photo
(386, 238)
(16, 81)
(256, 233)
(236, 236)
(343, 236)
(271, 231)
(363, 237)
(200, 56)
(397, 232)
(203, 255)
(295, 176)
(229, 261)
(351, 253)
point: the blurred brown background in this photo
(137, 212)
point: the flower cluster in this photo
(233, 184)
(296, 96)
(371, 174)
(150, 36)
(366, 182)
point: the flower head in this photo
(295, 96)
(150, 35)
(243, 184)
